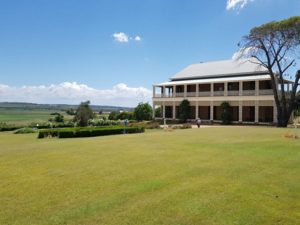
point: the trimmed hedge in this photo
(9, 128)
(89, 131)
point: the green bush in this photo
(55, 113)
(90, 131)
(59, 118)
(226, 116)
(112, 116)
(125, 115)
(25, 130)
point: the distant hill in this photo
(19, 105)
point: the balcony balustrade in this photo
(218, 93)
(180, 94)
(266, 92)
(248, 92)
(204, 93)
(191, 94)
(232, 93)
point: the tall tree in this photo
(84, 113)
(143, 111)
(184, 110)
(275, 46)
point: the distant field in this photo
(226, 175)
(24, 114)
(24, 117)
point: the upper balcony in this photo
(242, 88)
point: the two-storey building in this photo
(245, 85)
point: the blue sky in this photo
(66, 51)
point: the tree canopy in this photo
(158, 112)
(143, 111)
(184, 110)
(84, 113)
(275, 46)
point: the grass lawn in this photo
(227, 175)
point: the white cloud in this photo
(73, 93)
(245, 52)
(137, 38)
(121, 37)
(237, 4)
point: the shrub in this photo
(55, 113)
(112, 116)
(183, 126)
(226, 115)
(25, 130)
(184, 110)
(152, 126)
(70, 111)
(125, 115)
(186, 126)
(59, 118)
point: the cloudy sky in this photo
(111, 52)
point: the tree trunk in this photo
(282, 119)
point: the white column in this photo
(288, 87)
(153, 109)
(185, 90)
(197, 90)
(275, 113)
(164, 92)
(153, 91)
(240, 111)
(211, 110)
(257, 87)
(174, 91)
(164, 110)
(174, 110)
(212, 89)
(256, 112)
(241, 88)
(196, 113)
(225, 88)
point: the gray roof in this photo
(220, 69)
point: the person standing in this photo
(126, 122)
(198, 122)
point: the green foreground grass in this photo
(230, 175)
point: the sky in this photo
(111, 52)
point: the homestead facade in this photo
(243, 84)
